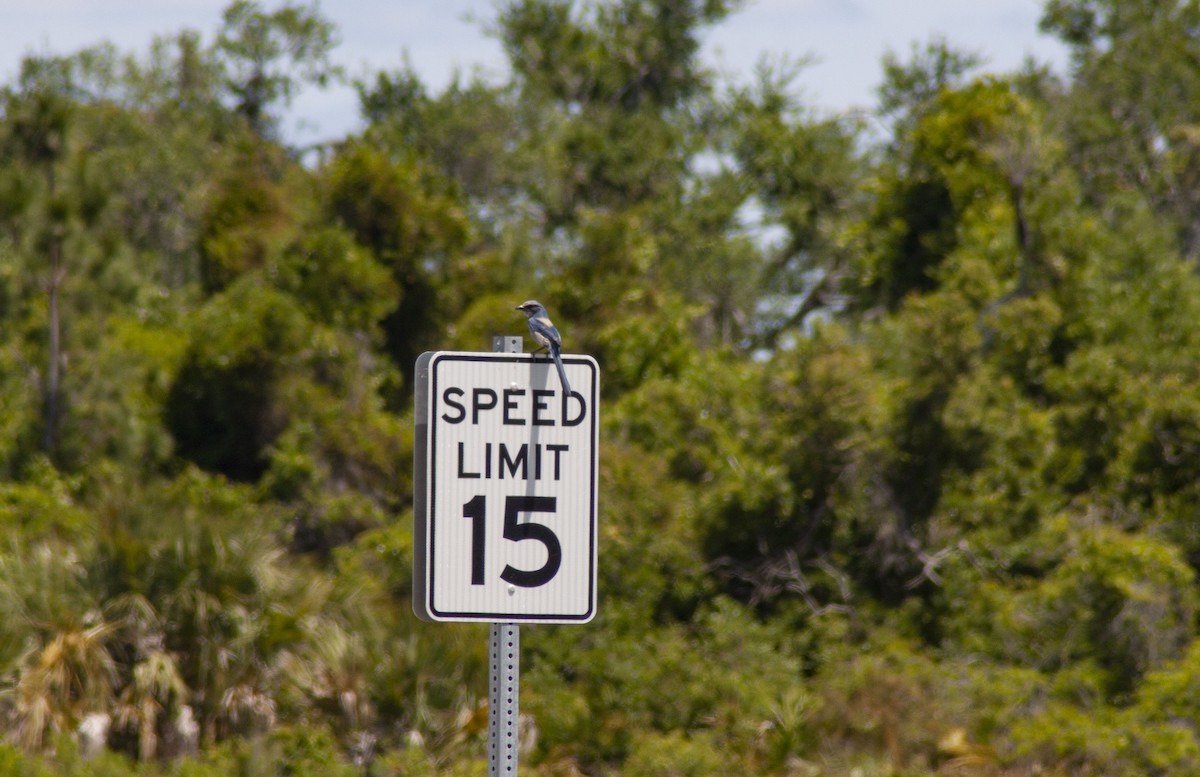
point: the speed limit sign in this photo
(505, 488)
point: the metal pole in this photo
(504, 673)
(504, 666)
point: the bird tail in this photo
(562, 373)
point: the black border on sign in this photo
(430, 487)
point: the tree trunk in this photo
(53, 388)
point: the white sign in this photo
(505, 488)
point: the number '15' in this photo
(476, 510)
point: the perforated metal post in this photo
(504, 665)
(504, 673)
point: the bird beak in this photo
(519, 307)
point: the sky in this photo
(844, 39)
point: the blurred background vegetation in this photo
(901, 441)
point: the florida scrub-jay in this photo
(546, 335)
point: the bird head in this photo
(531, 308)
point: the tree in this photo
(412, 222)
(803, 172)
(257, 52)
(1131, 113)
(911, 88)
(39, 112)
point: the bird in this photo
(546, 335)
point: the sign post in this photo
(505, 482)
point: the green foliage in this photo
(910, 89)
(339, 283)
(265, 56)
(219, 407)
(43, 505)
(245, 221)
(1130, 121)
(410, 219)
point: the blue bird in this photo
(546, 335)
